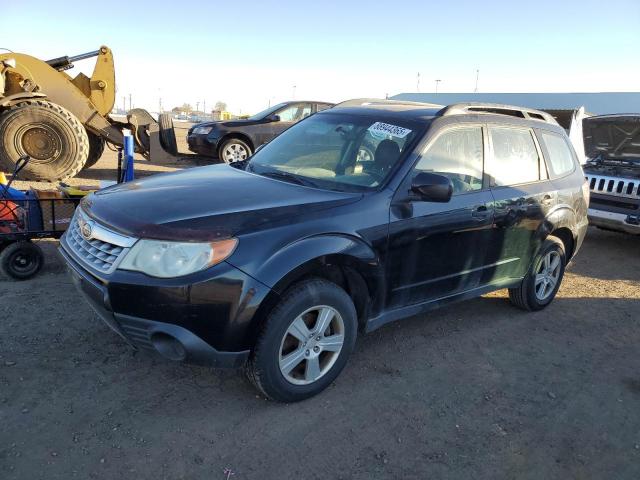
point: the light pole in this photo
(437, 82)
(475, 90)
(418, 83)
(294, 92)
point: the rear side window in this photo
(560, 158)
(458, 155)
(515, 157)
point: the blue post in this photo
(128, 173)
(120, 165)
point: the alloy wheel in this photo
(311, 345)
(234, 152)
(547, 275)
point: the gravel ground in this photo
(476, 390)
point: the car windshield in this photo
(336, 151)
(268, 111)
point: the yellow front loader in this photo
(62, 123)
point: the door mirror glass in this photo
(432, 187)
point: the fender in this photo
(235, 134)
(11, 100)
(302, 256)
(562, 217)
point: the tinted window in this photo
(560, 159)
(515, 157)
(457, 154)
(295, 113)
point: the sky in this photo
(250, 54)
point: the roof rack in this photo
(363, 102)
(499, 109)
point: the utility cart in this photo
(26, 216)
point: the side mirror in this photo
(432, 187)
(273, 118)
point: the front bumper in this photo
(202, 144)
(614, 221)
(210, 324)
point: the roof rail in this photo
(499, 109)
(362, 102)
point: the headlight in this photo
(173, 259)
(202, 130)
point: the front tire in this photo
(51, 135)
(305, 342)
(234, 150)
(541, 284)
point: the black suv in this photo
(277, 262)
(236, 140)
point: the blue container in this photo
(11, 193)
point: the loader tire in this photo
(167, 134)
(96, 148)
(51, 135)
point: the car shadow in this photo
(611, 249)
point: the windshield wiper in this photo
(289, 177)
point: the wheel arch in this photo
(240, 136)
(562, 224)
(11, 100)
(344, 260)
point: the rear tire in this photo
(52, 136)
(21, 260)
(305, 342)
(167, 133)
(540, 285)
(96, 149)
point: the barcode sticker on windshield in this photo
(382, 128)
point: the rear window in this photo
(515, 157)
(560, 158)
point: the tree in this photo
(220, 106)
(186, 108)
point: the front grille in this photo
(616, 187)
(100, 249)
(100, 255)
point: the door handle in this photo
(480, 212)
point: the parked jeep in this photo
(612, 147)
(277, 262)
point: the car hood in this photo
(612, 137)
(206, 204)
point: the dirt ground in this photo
(476, 390)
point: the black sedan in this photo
(236, 140)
